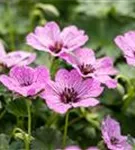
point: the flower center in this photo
(114, 140)
(26, 80)
(86, 69)
(26, 83)
(69, 95)
(57, 47)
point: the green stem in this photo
(65, 130)
(29, 125)
(73, 121)
(52, 118)
(3, 113)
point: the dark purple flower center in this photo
(56, 48)
(26, 83)
(86, 69)
(25, 80)
(69, 95)
(114, 140)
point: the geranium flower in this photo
(25, 80)
(50, 39)
(70, 90)
(15, 58)
(83, 59)
(112, 135)
(126, 43)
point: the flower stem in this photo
(3, 113)
(65, 130)
(29, 125)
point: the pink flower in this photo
(83, 59)
(70, 90)
(25, 80)
(50, 39)
(15, 58)
(112, 135)
(126, 43)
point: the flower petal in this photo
(55, 104)
(68, 78)
(125, 44)
(18, 58)
(90, 88)
(41, 74)
(73, 37)
(108, 81)
(86, 103)
(80, 57)
(105, 66)
(8, 82)
(22, 74)
(33, 41)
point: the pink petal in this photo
(42, 35)
(55, 104)
(90, 88)
(8, 82)
(105, 66)
(68, 78)
(33, 41)
(70, 58)
(86, 103)
(19, 73)
(73, 147)
(18, 58)
(73, 37)
(130, 60)
(85, 56)
(124, 44)
(41, 74)
(77, 42)
(108, 81)
(130, 37)
(52, 30)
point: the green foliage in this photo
(47, 139)
(17, 107)
(4, 140)
(103, 21)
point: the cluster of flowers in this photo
(78, 87)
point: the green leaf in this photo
(17, 107)
(4, 142)
(126, 70)
(101, 8)
(17, 145)
(46, 138)
(48, 9)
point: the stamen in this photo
(86, 69)
(114, 140)
(69, 95)
(57, 47)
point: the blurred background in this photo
(102, 20)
